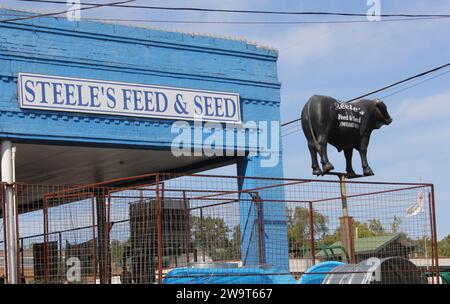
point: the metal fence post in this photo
(257, 200)
(346, 223)
(434, 234)
(94, 239)
(22, 265)
(19, 257)
(45, 213)
(108, 270)
(159, 230)
(187, 228)
(202, 236)
(102, 231)
(311, 233)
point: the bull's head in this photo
(382, 116)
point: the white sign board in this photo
(42, 92)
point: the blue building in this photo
(47, 65)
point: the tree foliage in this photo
(213, 236)
(299, 232)
(298, 224)
(444, 247)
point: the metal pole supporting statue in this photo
(346, 126)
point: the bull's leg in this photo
(348, 160)
(314, 161)
(326, 165)
(363, 153)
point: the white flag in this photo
(417, 207)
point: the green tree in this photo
(233, 251)
(117, 250)
(376, 227)
(299, 233)
(444, 247)
(215, 238)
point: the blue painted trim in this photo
(133, 69)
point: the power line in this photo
(292, 132)
(258, 22)
(290, 122)
(401, 81)
(199, 9)
(392, 85)
(233, 22)
(65, 11)
(414, 85)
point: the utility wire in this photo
(258, 22)
(414, 85)
(290, 122)
(292, 132)
(199, 9)
(401, 81)
(65, 11)
(390, 86)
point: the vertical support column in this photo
(46, 230)
(346, 221)
(311, 233)
(11, 212)
(274, 214)
(94, 239)
(159, 230)
(60, 259)
(108, 238)
(432, 243)
(187, 228)
(434, 234)
(202, 236)
(22, 263)
(261, 234)
(102, 236)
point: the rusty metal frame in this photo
(210, 195)
(260, 215)
(94, 238)
(46, 234)
(187, 228)
(18, 256)
(311, 233)
(159, 229)
(434, 233)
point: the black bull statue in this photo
(346, 126)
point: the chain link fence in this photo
(166, 222)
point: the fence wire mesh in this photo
(145, 233)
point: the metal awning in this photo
(45, 164)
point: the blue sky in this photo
(344, 61)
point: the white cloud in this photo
(427, 109)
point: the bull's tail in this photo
(316, 144)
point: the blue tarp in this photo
(242, 275)
(317, 273)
